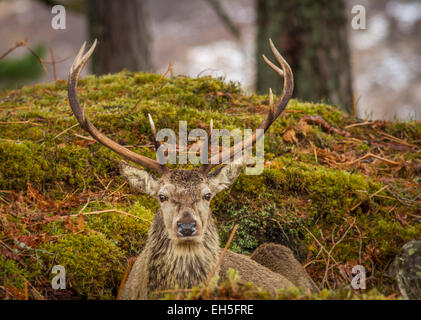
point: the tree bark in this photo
(122, 30)
(312, 36)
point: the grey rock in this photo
(406, 269)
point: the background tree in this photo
(122, 29)
(312, 36)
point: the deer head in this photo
(184, 195)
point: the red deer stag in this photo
(183, 245)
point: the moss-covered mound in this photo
(339, 193)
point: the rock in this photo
(406, 269)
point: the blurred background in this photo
(374, 72)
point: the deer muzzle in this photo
(186, 229)
(186, 226)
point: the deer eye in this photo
(163, 198)
(207, 196)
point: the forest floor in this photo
(338, 191)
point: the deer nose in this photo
(186, 229)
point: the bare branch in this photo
(225, 18)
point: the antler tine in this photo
(210, 129)
(271, 101)
(273, 66)
(79, 54)
(82, 58)
(204, 167)
(288, 89)
(275, 109)
(153, 129)
(78, 64)
(157, 143)
(209, 135)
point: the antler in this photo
(80, 115)
(275, 109)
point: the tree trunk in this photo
(312, 36)
(122, 30)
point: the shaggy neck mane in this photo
(174, 265)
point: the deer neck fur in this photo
(183, 265)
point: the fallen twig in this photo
(116, 190)
(359, 124)
(84, 137)
(221, 257)
(25, 290)
(331, 250)
(395, 139)
(105, 211)
(53, 63)
(130, 262)
(318, 120)
(64, 131)
(371, 196)
(369, 154)
(318, 242)
(19, 122)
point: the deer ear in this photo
(225, 176)
(138, 179)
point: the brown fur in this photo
(251, 271)
(168, 261)
(280, 259)
(163, 265)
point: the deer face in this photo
(184, 196)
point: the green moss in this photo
(43, 166)
(21, 163)
(295, 200)
(128, 232)
(330, 113)
(11, 275)
(330, 191)
(266, 206)
(92, 263)
(405, 130)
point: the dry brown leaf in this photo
(80, 222)
(16, 293)
(303, 127)
(289, 136)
